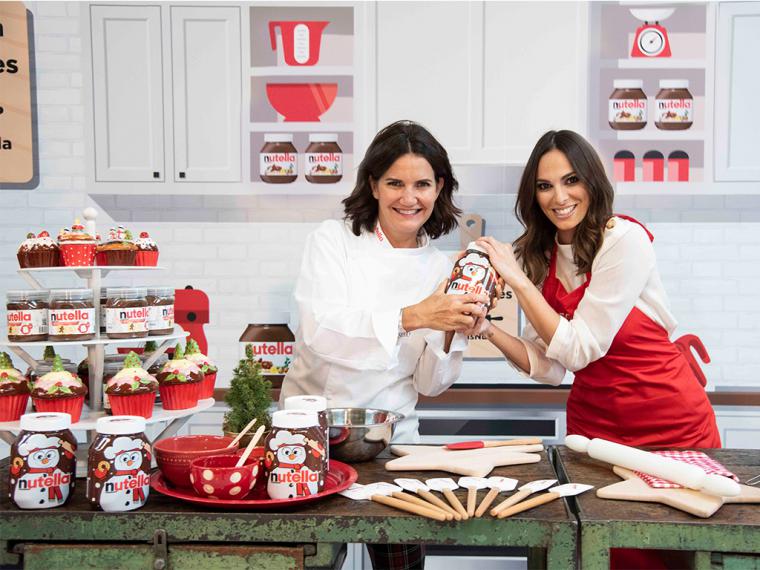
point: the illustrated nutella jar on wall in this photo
(27, 315)
(71, 315)
(675, 105)
(278, 159)
(126, 312)
(323, 160)
(272, 345)
(627, 105)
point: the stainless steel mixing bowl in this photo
(359, 434)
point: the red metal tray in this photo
(339, 478)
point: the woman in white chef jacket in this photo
(370, 295)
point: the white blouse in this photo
(623, 276)
(350, 293)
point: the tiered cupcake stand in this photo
(174, 419)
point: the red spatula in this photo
(460, 445)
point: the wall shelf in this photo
(655, 63)
(302, 71)
(651, 135)
(282, 127)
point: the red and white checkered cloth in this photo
(697, 458)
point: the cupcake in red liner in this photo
(193, 354)
(179, 382)
(118, 248)
(59, 391)
(77, 246)
(39, 251)
(132, 390)
(147, 250)
(14, 391)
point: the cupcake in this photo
(118, 248)
(77, 246)
(14, 391)
(179, 382)
(59, 391)
(132, 390)
(147, 250)
(193, 354)
(40, 251)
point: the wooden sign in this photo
(17, 153)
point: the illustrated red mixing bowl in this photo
(174, 454)
(301, 101)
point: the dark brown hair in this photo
(536, 242)
(391, 143)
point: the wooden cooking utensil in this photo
(460, 445)
(418, 487)
(522, 493)
(251, 445)
(498, 485)
(447, 486)
(403, 496)
(554, 493)
(472, 484)
(379, 493)
(239, 436)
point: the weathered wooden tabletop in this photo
(611, 523)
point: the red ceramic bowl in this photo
(216, 476)
(301, 101)
(174, 454)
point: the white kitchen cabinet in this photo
(206, 93)
(128, 93)
(487, 78)
(737, 90)
(166, 93)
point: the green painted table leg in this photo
(562, 549)
(595, 547)
(702, 560)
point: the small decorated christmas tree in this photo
(249, 396)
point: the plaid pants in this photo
(397, 556)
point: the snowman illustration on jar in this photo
(119, 463)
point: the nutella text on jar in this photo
(160, 311)
(27, 315)
(71, 315)
(126, 312)
(674, 105)
(272, 346)
(323, 160)
(628, 105)
(278, 159)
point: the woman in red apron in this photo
(602, 315)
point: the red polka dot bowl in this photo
(217, 477)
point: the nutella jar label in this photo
(126, 319)
(278, 164)
(42, 469)
(472, 273)
(64, 322)
(295, 462)
(118, 474)
(27, 322)
(324, 163)
(160, 317)
(627, 111)
(274, 356)
(674, 110)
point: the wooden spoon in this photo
(239, 436)
(250, 447)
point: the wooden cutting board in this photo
(698, 504)
(418, 449)
(471, 463)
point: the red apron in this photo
(642, 392)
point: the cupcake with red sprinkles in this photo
(59, 391)
(132, 390)
(193, 354)
(179, 382)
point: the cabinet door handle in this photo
(181, 174)
(156, 174)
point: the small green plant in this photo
(249, 396)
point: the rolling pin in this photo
(689, 476)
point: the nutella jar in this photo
(675, 105)
(295, 458)
(126, 312)
(278, 159)
(71, 315)
(118, 465)
(323, 160)
(160, 311)
(102, 312)
(42, 462)
(27, 315)
(316, 404)
(628, 105)
(272, 346)
(473, 273)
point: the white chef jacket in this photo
(624, 275)
(350, 293)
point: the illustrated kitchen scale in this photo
(651, 39)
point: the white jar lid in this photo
(313, 403)
(476, 247)
(45, 421)
(674, 84)
(628, 84)
(120, 425)
(295, 419)
(278, 137)
(30, 295)
(161, 291)
(71, 295)
(126, 292)
(323, 137)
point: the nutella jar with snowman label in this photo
(295, 457)
(473, 273)
(118, 467)
(42, 461)
(316, 404)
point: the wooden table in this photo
(167, 532)
(731, 537)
